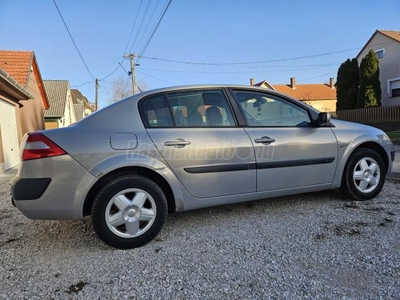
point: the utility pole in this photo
(132, 71)
(96, 95)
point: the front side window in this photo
(198, 108)
(268, 110)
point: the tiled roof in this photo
(57, 93)
(17, 64)
(391, 33)
(17, 88)
(308, 91)
(395, 35)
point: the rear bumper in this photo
(52, 188)
(29, 188)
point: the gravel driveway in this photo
(312, 246)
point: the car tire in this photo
(364, 175)
(129, 211)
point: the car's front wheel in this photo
(364, 175)
(129, 211)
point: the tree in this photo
(369, 93)
(347, 85)
(122, 87)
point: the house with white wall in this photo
(62, 111)
(386, 45)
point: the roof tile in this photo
(17, 64)
(308, 91)
(392, 34)
(56, 91)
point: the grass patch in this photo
(394, 136)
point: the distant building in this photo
(320, 96)
(62, 111)
(82, 105)
(22, 101)
(386, 45)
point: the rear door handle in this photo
(264, 140)
(178, 143)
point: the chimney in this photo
(293, 82)
(332, 82)
(251, 81)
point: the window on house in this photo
(380, 53)
(394, 88)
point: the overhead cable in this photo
(70, 35)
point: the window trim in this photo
(164, 94)
(270, 94)
(389, 89)
(379, 50)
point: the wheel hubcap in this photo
(130, 213)
(366, 175)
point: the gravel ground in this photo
(311, 246)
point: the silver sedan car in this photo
(183, 148)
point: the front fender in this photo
(346, 148)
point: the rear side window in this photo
(155, 112)
(198, 108)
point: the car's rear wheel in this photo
(129, 212)
(364, 175)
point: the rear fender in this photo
(144, 161)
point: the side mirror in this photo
(323, 118)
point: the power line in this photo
(297, 68)
(251, 62)
(133, 27)
(141, 24)
(89, 82)
(109, 67)
(155, 77)
(316, 77)
(127, 73)
(109, 74)
(154, 29)
(244, 63)
(70, 35)
(148, 23)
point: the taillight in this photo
(37, 145)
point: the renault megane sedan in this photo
(189, 147)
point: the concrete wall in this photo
(389, 65)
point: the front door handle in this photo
(264, 140)
(177, 143)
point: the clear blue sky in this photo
(206, 31)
